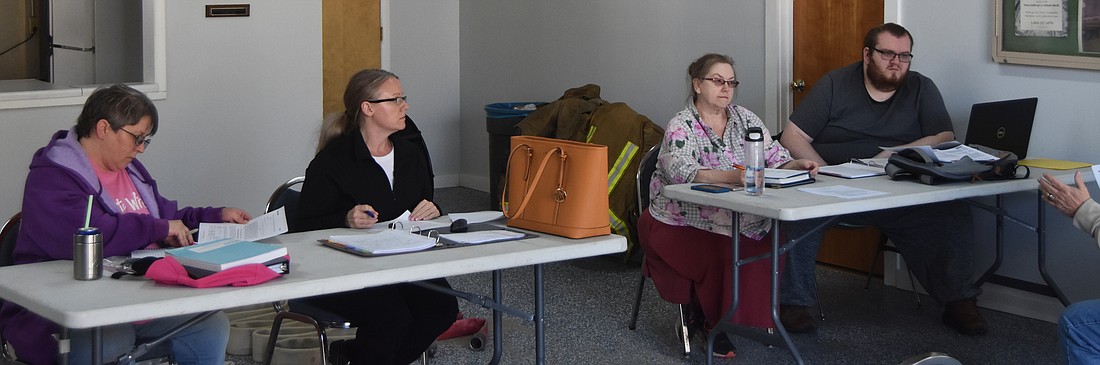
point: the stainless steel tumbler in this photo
(87, 254)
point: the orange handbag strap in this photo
(534, 182)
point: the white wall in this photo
(638, 52)
(953, 47)
(241, 113)
(425, 39)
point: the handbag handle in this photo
(559, 193)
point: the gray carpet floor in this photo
(588, 305)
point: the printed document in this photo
(403, 223)
(268, 225)
(949, 155)
(843, 192)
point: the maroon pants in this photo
(686, 262)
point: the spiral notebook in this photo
(380, 242)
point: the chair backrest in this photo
(286, 197)
(645, 174)
(7, 238)
(7, 250)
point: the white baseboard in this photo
(995, 297)
(1021, 303)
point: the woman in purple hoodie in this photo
(98, 157)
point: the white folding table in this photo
(791, 204)
(48, 288)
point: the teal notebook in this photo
(226, 253)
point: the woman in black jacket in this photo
(362, 174)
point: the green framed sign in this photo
(1056, 33)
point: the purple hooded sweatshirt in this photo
(54, 203)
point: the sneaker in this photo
(797, 318)
(723, 348)
(337, 352)
(963, 316)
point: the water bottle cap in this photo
(754, 134)
(87, 231)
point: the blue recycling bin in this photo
(502, 122)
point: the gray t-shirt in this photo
(846, 123)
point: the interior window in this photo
(56, 52)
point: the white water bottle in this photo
(754, 161)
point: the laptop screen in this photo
(1003, 125)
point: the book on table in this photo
(226, 253)
(781, 178)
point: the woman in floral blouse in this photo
(687, 245)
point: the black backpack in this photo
(912, 163)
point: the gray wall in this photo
(424, 50)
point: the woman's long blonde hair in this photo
(362, 86)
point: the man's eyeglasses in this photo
(889, 55)
(719, 82)
(404, 99)
(138, 140)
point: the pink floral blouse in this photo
(690, 146)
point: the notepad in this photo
(478, 237)
(1053, 164)
(851, 170)
(226, 253)
(381, 242)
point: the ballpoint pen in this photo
(866, 163)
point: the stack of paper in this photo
(950, 151)
(226, 253)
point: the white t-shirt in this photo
(387, 165)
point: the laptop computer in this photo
(1003, 125)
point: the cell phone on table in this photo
(711, 188)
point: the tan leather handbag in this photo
(556, 186)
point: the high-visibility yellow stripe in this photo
(617, 224)
(591, 133)
(616, 172)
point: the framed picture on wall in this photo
(1057, 33)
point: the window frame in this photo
(20, 94)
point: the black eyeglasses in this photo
(404, 100)
(138, 140)
(719, 82)
(889, 55)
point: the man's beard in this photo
(881, 81)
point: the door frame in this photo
(779, 57)
(384, 50)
